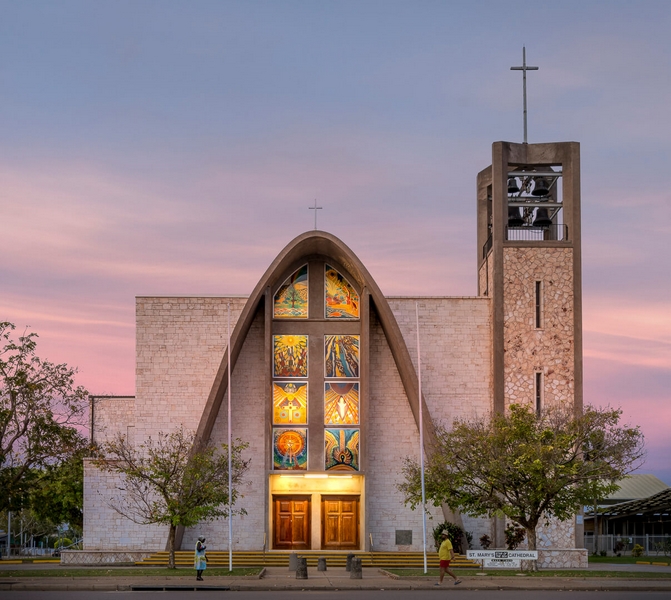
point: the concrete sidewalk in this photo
(278, 578)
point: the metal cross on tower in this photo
(315, 208)
(524, 68)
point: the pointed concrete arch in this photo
(318, 243)
(307, 245)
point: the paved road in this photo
(342, 595)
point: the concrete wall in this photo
(180, 343)
(179, 346)
(105, 528)
(455, 340)
(248, 424)
(111, 416)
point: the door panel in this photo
(340, 522)
(291, 526)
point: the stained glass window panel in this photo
(341, 300)
(341, 356)
(290, 402)
(341, 449)
(290, 355)
(291, 300)
(290, 449)
(341, 403)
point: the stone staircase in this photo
(399, 560)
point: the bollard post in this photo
(302, 568)
(293, 558)
(349, 562)
(321, 563)
(356, 571)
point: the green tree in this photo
(40, 409)
(525, 466)
(58, 495)
(173, 480)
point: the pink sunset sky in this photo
(174, 148)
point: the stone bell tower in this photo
(529, 264)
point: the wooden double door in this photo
(339, 522)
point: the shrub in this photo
(454, 533)
(62, 543)
(637, 550)
(514, 535)
(485, 542)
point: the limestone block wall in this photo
(111, 415)
(549, 349)
(248, 404)
(455, 340)
(104, 528)
(478, 526)
(180, 342)
(391, 436)
(179, 345)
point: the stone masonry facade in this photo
(550, 348)
(181, 342)
(455, 341)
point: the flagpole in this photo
(230, 461)
(421, 435)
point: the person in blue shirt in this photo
(200, 558)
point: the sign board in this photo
(502, 554)
(501, 563)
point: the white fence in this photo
(653, 545)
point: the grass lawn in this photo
(628, 560)
(129, 572)
(435, 573)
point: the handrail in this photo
(528, 233)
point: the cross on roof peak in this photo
(524, 68)
(315, 208)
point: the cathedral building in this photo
(324, 377)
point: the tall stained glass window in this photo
(341, 300)
(294, 383)
(290, 355)
(341, 356)
(291, 300)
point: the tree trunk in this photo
(171, 547)
(531, 544)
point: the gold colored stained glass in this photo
(341, 403)
(341, 300)
(290, 355)
(290, 402)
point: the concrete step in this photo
(334, 559)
